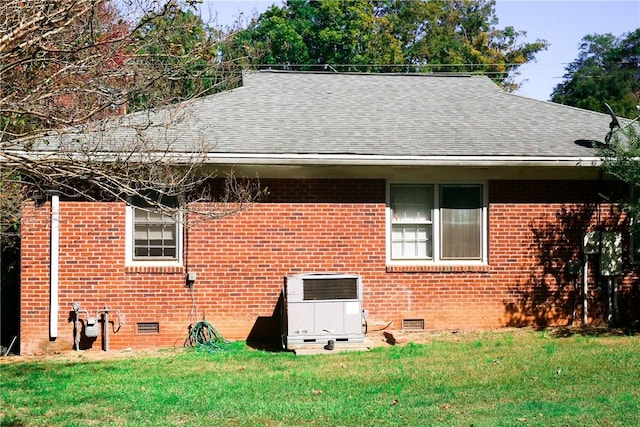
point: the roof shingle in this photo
(393, 115)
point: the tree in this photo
(60, 64)
(389, 35)
(72, 68)
(621, 159)
(185, 59)
(605, 71)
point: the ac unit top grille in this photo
(330, 289)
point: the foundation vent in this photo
(413, 324)
(148, 327)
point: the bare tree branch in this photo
(69, 74)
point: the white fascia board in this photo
(348, 159)
(359, 160)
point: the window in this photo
(437, 223)
(461, 222)
(412, 225)
(152, 236)
(155, 235)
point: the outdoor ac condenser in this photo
(319, 307)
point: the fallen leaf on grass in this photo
(316, 392)
(445, 406)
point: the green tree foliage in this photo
(388, 35)
(182, 52)
(607, 70)
(621, 159)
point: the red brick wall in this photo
(308, 226)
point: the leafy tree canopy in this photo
(388, 36)
(621, 159)
(182, 51)
(607, 70)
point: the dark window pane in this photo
(461, 222)
(154, 235)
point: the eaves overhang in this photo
(279, 159)
(382, 160)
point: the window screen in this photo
(155, 235)
(461, 221)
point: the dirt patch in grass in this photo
(93, 355)
(397, 337)
(375, 338)
(384, 338)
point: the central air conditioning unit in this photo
(321, 307)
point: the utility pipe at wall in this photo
(105, 340)
(54, 267)
(585, 290)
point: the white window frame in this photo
(151, 262)
(436, 227)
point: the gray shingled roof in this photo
(395, 115)
(302, 114)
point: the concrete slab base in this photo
(319, 348)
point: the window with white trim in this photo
(437, 223)
(153, 237)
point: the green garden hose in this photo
(204, 336)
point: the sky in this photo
(563, 23)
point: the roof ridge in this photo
(362, 73)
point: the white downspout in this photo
(585, 276)
(585, 290)
(54, 267)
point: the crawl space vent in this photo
(413, 324)
(148, 328)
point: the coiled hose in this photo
(204, 336)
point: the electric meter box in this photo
(609, 246)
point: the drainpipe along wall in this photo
(54, 267)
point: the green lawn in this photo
(506, 378)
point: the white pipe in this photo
(609, 299)
(54, 267)
(614, 302)
(585, 289)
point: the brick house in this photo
(460, 206)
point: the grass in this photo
(508, 378)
